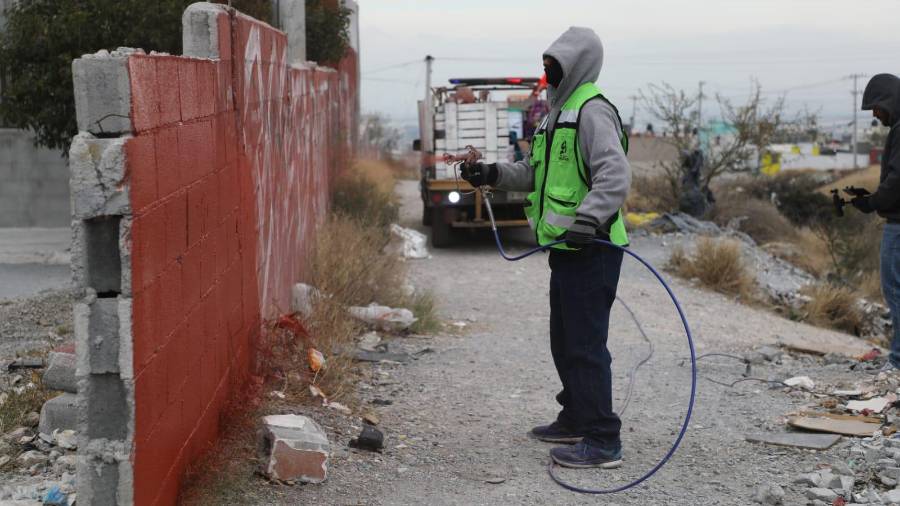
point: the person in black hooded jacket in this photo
(882, 97)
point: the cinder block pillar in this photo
(289, 16)
(101, 267)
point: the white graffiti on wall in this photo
(286, 119)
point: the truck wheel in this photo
(441, 231)
(426, 216)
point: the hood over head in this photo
(580, 53)
(883, 91)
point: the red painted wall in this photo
(229, 171)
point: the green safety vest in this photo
(560, 188)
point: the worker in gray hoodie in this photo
(578, 178)
(882, 97)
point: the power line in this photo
(394, 66)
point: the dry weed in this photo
(652, 193)
(365, 198)
(870, 287)
(834, 307)
(758, 218)
(347, 263)
(717, 265)
(381, 174)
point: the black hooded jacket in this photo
(883, 91)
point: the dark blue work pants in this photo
(582, 290)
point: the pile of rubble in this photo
(781, 280)
(43, 449)
(870, 476)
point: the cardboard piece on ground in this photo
(835, 426)
(796, 439)
(835, 416)
(823, 344)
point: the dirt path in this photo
(459, 415)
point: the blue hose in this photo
(690, 340)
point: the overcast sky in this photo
(803, 47)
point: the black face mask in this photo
(554, 74)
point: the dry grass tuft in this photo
(348, 265)
(423, 305)
(717, 265)
(870, 287)
(380, 173)
(834, 307)
(652, 193)
(363, 197)
(759, 219)
(18, 404)
(810, 252)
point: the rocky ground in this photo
(30, 465)
(456, 418)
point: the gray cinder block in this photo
(59, 413)
(103, 92)
(200, 30)
(60, 373)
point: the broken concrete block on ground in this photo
(60, 373)
(294, 447)
(59, 413)
(769, 494)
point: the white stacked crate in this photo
(483, 126)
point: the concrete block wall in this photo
(197, 183)
(35, 183)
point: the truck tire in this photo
(441, 231)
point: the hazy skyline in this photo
(802, 47)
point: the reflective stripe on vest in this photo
(561, 179)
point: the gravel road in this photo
(459, 416)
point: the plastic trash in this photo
(384, 317)
(412, 242)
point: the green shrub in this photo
(42, 37)
(327, 31)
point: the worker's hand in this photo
(479, 174)
(582, 233)
(862, 203)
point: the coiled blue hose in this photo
(687, 330)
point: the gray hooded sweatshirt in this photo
(580, 53)
(883, 91)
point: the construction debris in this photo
(796, 439)
(769, 494)
(801, 381)
(848, 426)
(407, 242)
(26, 363)
(294, 448)
(383, 317)
(370, 439)
(60, 373)
(874, 405)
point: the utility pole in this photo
(633, 110)
(427, 135)
(855, 93)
